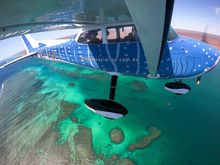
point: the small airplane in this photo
(118, 48)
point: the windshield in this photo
(172, 35)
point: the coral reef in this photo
(144, 142)
(67, 108)
(83, 146)
(71, 84)
(116, 135)
(139, 86)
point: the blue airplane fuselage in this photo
(182, 57)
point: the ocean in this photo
(43, 119)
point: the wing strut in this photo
(113, 85)
(152, 20)
(168, 17)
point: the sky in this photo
(14, 45)
(197, 15)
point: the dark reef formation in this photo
(139, 86)
(71, 84)
(116, 135)
(144, 142)
(67, 108)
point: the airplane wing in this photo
(152, 20)
(22, 17)
(18, 59)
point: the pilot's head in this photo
(93, 34)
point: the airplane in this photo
(119, 49)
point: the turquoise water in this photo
(43, 119)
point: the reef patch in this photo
(67, 108)
(71, 84)
(144, 142)
(116, 135)
(139, 86)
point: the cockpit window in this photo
(125, 33)
(91, 37)
(172, 35)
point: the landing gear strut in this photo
(108, 108)
(113, 86)
(198, 80)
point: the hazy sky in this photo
(196, 15)
(14, 45)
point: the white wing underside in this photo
(149, 18)
(18, 59)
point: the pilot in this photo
(93, 39)
(132, 36)
(129, 37)
(135, 34)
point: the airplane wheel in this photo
(107, 108)
(178, 88)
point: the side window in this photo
(91, 37)
(111, 35)
(128, 34)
